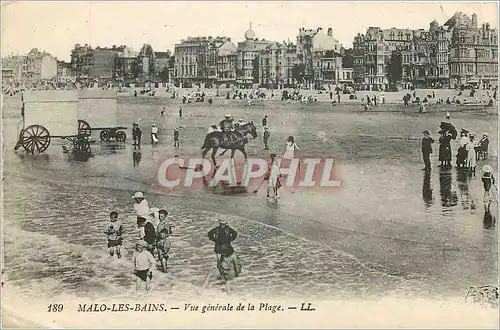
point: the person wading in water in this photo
(427, 142)
(228, 263)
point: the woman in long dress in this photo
(291, 146)
(444, 149)
(471, 154)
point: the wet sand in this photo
(379, 236)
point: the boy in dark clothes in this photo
(149, 233)
(136, 134)
(176, 136)
(266, 137)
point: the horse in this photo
(233, 140)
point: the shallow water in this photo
(389, 230)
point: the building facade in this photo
(162, 66)
(227, 55)
(103, 64)
(327, 65)
(196, 60)
(373, 51)
(276, 65)
(64, 71)
(311, 47)
(126, 68)
(32, 67)
(247, 62)
(430, 64)
(146, 65)
(473, 52)
(81, 61)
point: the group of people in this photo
(469, 151)
(137, 132)
(154, 243)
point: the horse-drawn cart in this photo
(98, 107)
(47, 115)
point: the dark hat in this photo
(162, 211)
(272, 155)
(426, 132)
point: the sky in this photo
(57, 26)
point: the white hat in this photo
(222, 221)
(485, 133)
(227, 115)
(153, 125)
(142, 243)
(487, 168)
(138, 195)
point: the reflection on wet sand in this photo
(463, 187)
(427, 190)
(137, 157)
(489, 220)
(40, 158)
(449, 197)
(79, 157)
(111, 148)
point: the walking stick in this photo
(257, 190)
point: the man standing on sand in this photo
(427, 142)
(266, 137)
(176, 136)
(264, 121)
(180, 112)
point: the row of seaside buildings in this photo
(460, 52)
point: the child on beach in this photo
(176, 136)
(163, 245)
(136, 135)
(114, 232)
(266, 137)
(488, 181)
(291, 146)
(163, 224)
(143, 265)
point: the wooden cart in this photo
(47, 115)
(98, 107)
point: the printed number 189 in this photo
(55, 308)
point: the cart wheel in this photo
(121, 136)
(81, 145)
(84, 128)
(34, 138)
(104, 135)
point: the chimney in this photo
(474, 20)
(487, 26)
(330, 32)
